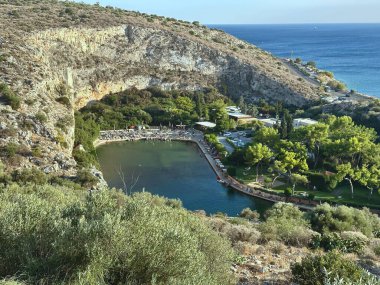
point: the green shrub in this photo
(54, 235)
(336, 85)
(268, 179)
(376, 249)
(31, 175)
(36, 151)
(346, 242)
(60, 138)
(41, 117)
(9, 97)
(285, 222)
(367, 279)
(288, 192)
(235, 233)
(315, 270)
(247, 213)
(326, 219)
(86, 179)
(11, 149)
(85, 159)
(64, 101)
(327, 73)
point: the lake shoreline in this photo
(228, 181)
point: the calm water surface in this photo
(173, 170)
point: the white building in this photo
(206, 125)
(303, 122)
(233, 109)
(271, 122)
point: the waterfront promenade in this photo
(207, 150)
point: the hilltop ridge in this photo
(59, 56)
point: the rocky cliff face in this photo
(86, 62)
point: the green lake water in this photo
(173, 170)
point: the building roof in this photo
(232, 108)
(238, 115)
(305, 121)
(206, 124)
(269, 122)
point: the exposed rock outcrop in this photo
(84, 62)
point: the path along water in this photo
(207, 151)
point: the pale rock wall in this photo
(96, 62)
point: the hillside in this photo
(58, 56)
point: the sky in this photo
(256, 11)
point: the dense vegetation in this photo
(284, 226)
(56, 235)
(52, 231)
(153, 106)
(323, 155)
(156, 107)
(326, 269)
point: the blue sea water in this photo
(351, 51)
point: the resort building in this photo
(205, 125)
(236, 114)
(270, 122)
(303, 122)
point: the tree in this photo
(291, 158)
(369, 177)
(296, 178)
(286, 125)
(257, 154)
(313, 136)
(200, 105)
(267, 136)
(252, 110)
(185, 103)
(346, 172)
(219, 114)
(241, 102)
(311, 64)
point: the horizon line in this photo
(324, 23)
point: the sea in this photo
(350, 51)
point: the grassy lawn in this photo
(246, 176)
(341, 195)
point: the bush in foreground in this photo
(317, 270)
(346, 242)
(53, 235)
(285, 222)
(326, 219)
